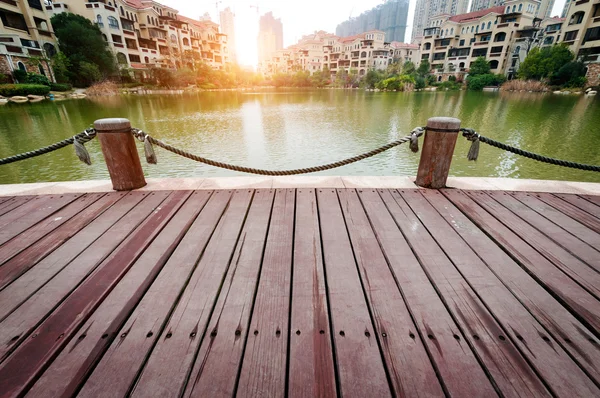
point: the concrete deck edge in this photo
(161, 184)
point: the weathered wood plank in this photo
(565, 289)
(504, 363)
(581, 203)
(311, 368)
(26, 216)
(28, 315)
(458, 367)
(19, 290)
(19, 260)
(595, 199)
(158, 320)
(559, 235)
(28, 237)
(14, 203)
(562, 326)
(80, 355)
(5, 198)
(263, 370)
(358, 359)
(212, 375)
(571, 210)
(411, 371)
(574, 227)
(21, 369)
(561, 258)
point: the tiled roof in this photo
(476, 14)
(397, 44)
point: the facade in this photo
(389, 17)
(425, 9)
(145, 34)
(270, 38)
(26, 37)
(544, 7)
(227, 18)
(581, 30)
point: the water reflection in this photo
(289, 129)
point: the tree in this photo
(533, 67)
(479, 67)
(372, 78)
(82, 43)
(408, 68)
(547, 63)
(393, 69)
(60, 65)
(424, 69)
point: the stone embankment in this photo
(37, 98)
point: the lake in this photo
(289, 129)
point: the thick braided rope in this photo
(471, 135)
(82, 138)
(140, 134)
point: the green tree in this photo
(372, 78)
(82, 43)
(393, 69)
(479, 67)
(60, 65)
(533, 67)
(408, 68)
(424, 69)
(89, 73)
(547, 63)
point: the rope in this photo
(83, 137)
(475, 138)
(139, 134)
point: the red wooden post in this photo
(436, 155)
(120, 154)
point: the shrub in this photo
(20, 76)
(451, 78)
(4, 79)
(524, 85)
(35, 78)
(103, 88)
(431, 80)
(89, 73)
(420, 83)
(11, 90)
(477, 83)
(60, 87)
(449, 85)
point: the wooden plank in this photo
(31, 213)
(211, 375)
(581, 203)
(504, 363)
(21, 289)
(574, 227)
(263, 370)
(595, 199)
(571, 295)
(560, 236)
(80, 355)
(358, 359)
(411, 371)
(458, 367)
(20, 263)
(20, 370)
(563, 327)
(197, 265)
(561, 258)
(28, 315)
(14, 203)
(311, 369)
(5, 198)
(45, 227)
(571, 210)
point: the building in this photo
(26, 37)
(565, 10)
(227, 18)
(478, 5)
(270, 38)
(389, 17)
(543, 10)
(503, 35)
(145, 34)
(425, 9)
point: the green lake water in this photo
(290, 129)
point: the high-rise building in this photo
(270, 37)
(543, 10)
(426, 9)
(565, 10)
(389, 17)
(228, 27)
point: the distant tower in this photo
(426, 9)
(565, 10)
(205, 17)
(228, 27)
(270, 37)
(483, 4)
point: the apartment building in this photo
(543, 10)
(144, 34)
(425, 9)
(502, 34)
(25, 33)
(270, 39)
(581, 32)
(227, 19)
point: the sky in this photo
(298, 17)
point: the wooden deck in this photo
(300, 292)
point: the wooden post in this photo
(120, 154)
(438, 147)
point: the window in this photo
(50, 50)
(427, 46)
(501, 36)
(134, 58)
(439, 56)
(479, 52)
(592, 34)
(461, 65)
(477, 29)
(548, 40)
(122, 11)
(173, 39)
(489, 25)
(494, 64)
(444, 42)
(41, 69)
(99, 21)
(127, 25)
(577, 18)
(514, 9)
(596, 12)
(121, 58)
(507, 9)
(21, 66)
(461, 43)
(147, 60)
(496, 50)
(113, 23)
(483, 26)
(452, 31)
(520, 7)
(517, 49)
(186, 42)
(570, 36)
